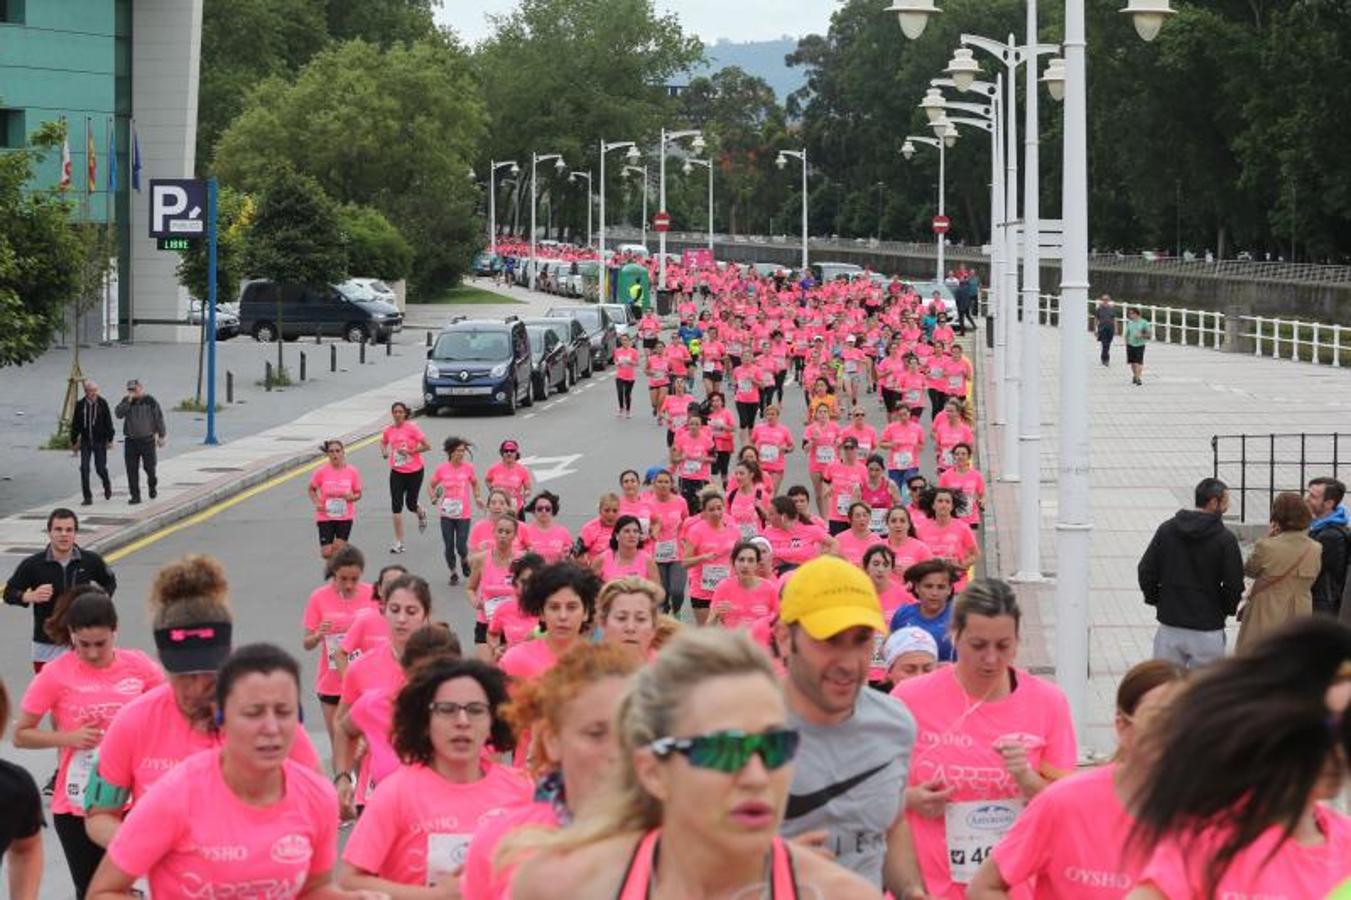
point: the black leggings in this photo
(779, 379)
(624, 389)
(722, 460)
(403, 490)
(82, 855)
(937, 399)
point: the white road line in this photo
(528, 416)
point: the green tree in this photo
(40, 253)
(234, 214)
(375, 248)
(383, 22)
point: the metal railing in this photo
(1170, 324)
(1293, 339)
(1260, 465)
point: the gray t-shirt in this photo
(850, 779)
(1106, 316)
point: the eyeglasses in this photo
(729, 751)
(860, 415)
(543, 507)
(450, 710)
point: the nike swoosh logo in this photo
(802, 804)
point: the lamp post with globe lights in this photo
(637, 170)
(573, 178)
(667, 137)
(707, 164)
(948, 137)
(535, 160)
(782, 161)
(632, 156)
(492, 198)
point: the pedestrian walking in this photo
(1284, 564)
(49, 573)
(1138, 333)
(142, 432)
(1192, 574)
(1329, 528)
(91, 434)
(1105, 317)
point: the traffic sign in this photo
(661, 221)
(942, 224)
(177, 207)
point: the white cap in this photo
(910, 639)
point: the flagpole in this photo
(135, 143)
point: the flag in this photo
(64, 183)
(135, 159)
(112, 158)
(91, 157)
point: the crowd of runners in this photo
(768, 667)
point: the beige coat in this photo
(1285, 567)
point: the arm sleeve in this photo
(159, 420)
(40, 697)
(105, 578)
(325, 817)
(311, 617)
(19, 582)
(1147, 572)
(77, 422)
(1232, 588)
(1022, 852)
(1252, 566)
(122, 406)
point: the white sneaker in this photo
(396, 547)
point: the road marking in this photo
(528, 416)
(212, 511)
(547, 468)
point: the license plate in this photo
(463, 391)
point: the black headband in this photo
(193, 649)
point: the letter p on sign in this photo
(177, 208)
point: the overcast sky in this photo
(738, 20)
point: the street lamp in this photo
(932, 104)
(638, 170)
(573, 178)
(1054, 78)
(535, 160)
(632, 156)
(941, 145)
(914, 15)
(963, 68)
(1149, 16)
(707, 164)
(492, 198)
(781, 161)
(668, 137)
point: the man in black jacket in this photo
(1192, 574)
(1331, 529)
(142, 432)
(91, 434)
(45, 575)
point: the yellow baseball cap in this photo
(827, 596)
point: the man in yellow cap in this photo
(849, 779)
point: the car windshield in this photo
(471, 346)
(537, 339)
(590, 318)
(926, 290)
(353, 291)
(380, 287)
(618, 313)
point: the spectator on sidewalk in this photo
(1284, 565)
(91, 434)
(142, 432)
(1192, 574)
(52, 571)
(1137, 334)
(1330, 529)
(1105, 316)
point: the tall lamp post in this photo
(668, 137)
(573, 178)
(707, 164)
(535, 160)
(947, 136)
(781, 162)
(639, 170)
(492, 199)
(631, 156)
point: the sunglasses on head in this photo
(729, 751)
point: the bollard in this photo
(229, 386)
(429, 339)
(333, 357)
(389, 345)
(319, 334)
(267, 376)
(302, 365)
(362, 358)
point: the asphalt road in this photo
(574, 443)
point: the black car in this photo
(572, 335)
(479, 362)
(600, 331)
(268, 309)
(549, 357)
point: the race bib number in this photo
(690, 467)
(335, 507)
(842, 503)
(902, 459)
(973, 830)
(401, 458)
(332, 643)
(744, 385)
(879, 641)
(912, 398)
(825, 454)
(677, 422)
(452, 508)
(877, 521)
(748, 530)
(954, 381)
(769, 453)
(851, 368)
(77, 776)
(492, 604)
(712, 576)
(710, 366)
(445, 855)
(645, 523)
(946, 457)
(935, 373)
(665, 551)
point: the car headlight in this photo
(498, 370)
(432, 371)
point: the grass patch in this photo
(59, 441)
(468, 295)
(280, 378)
(192, 404)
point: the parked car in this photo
(477, 363)
(308, 310)
(227, 320)
(636, 249)
(833, 271)
(364, 289)
(572, 335)
(600, 331)
(485, 264)
(621, 314)
(549, 358)
(926, 290)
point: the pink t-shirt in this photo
(327, 605)
(78, 694)
(480, 879)
(846, 480)
(612, 567)
(852, 547)
(511, 624)
(195, 838)
(1071, 840)
(947, 436)
(821, 450)
(528, 660)
(744, 605)
(1295, 872)
(704, 538)
(905, 442)
(368, 630)
(333, 485)
(514, 479)
(403, 441)
(743, 508)
(667, 517)
(911, 551)
(149, 737)
(595, 537)
(953, 541)
(373, 713)
(552, 543)
(639, 508)
(972, 484)
(694, 454)
(771, 441)
(796, 544)
(956, 743)
(417, 826)
(722, 425)
(675, 409)
(457, 487)
(378, 670)
(746, 383)
(626, 363)
(866, 436)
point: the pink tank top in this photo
(494, 587)
(878, 497)
(637, 882)
(611, 568)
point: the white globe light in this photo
(698, 143)
(908, 151)
(940, 126)
(932, 104)
(781, 161)
(515, 169)
(950, 135)
(963, 68)
(632, 155)
(913, 15)
(560, 165)
(1149, 16)
(1054, 78)
(687, 168)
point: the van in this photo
(268, 310)
(479, 363)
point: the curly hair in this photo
(189, 590)
(411, 731)
(555, 577)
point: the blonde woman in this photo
(627, 610)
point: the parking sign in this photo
(177, 207)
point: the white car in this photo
(368, 289)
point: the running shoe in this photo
(396, 547)
(454, 578)
(421, 519)
(464, 567)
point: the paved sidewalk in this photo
(1150, 446)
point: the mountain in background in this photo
(763, 59)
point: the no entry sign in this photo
(662, 221)
(941, 224)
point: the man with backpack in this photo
(1324, 497)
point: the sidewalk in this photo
(1150, 447)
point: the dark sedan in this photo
(574, 339)
(600, 331)
(550, 360)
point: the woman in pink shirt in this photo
(949, 430)
(846, 478)
(403, 444)
(626, 612)
(879, 563)
(967, 479)
(273, 821)
(990, 738)
(746, 381)
(329, 612)
(739, 601)
(773, 441)
(946, 535)
(509, 625)
(544, 535)
(669, 510)
(632, 502)
(819, 440)
(334, 490)
(658, 377)
(1073, 838)
(748, 499)
(417, 826)
(692, 455)
(481, 536)
(879, 492)
(509, 475)
(793, 536)
(857, 537)
(626, 373)
(82, 690)
(722, 426)
(594, 536)
(563, 597)
(625, 555)
(707, 551)
(859, 429)
(901, 442)
(649, 327)
(912, 384)
(906, 548)
(957, 373)
(454, 491)
(489, 584)
(675, 410)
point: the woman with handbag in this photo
(1285, 564)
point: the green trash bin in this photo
(631, 275)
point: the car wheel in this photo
(563, 382)
(590, 365)
(265, 332)
(510, 408)
(540, 386)
(354, 334)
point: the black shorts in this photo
(328, 699)
(1135, 355)
(700, 604)
(649, 343)
(670, 437)
(334, 531)
(403, 490)
(480, 632)
(745, 413)
(715, 376)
